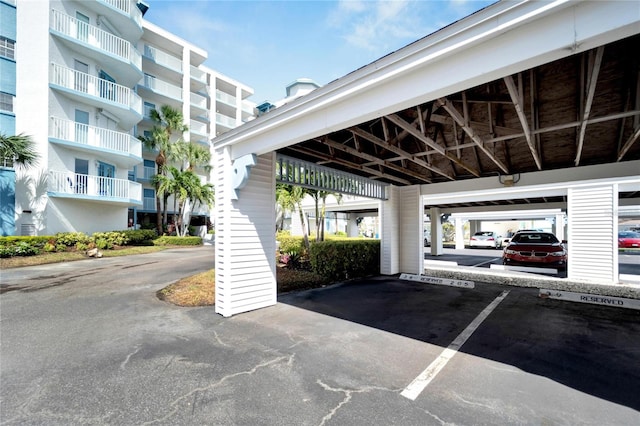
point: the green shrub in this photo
(106, 240)
(346, 259)
(48, 247)
(290, 244)
(21, 248)
(140, 237)
(167, 240)
(70, 239)
(35, 241)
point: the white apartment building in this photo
(87, 74)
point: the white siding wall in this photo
(410, 229)
(245, 238)
(593, 230)
(390, 238)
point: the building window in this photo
(7, 48)
(6, 102)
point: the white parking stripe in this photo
(416, 387)
(486, 261)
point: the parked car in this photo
(535, 248)
(628, 239)
(488, 239)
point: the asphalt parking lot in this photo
(109, 352)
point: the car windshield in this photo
(484, 234)
(629, 234)
(534, 237)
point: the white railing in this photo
(128, 7)
(198, 74)
(198, 127)
(163, 58)
(198, 101)
(95, 37)
(225, 97)
(225, 121)
(149, 203)
(97, 186)
(84, 134)
(94, 86)
(162, 87)
(149, 172)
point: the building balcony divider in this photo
(95, 137)
(96, 38)
(163, 58)
(76, 185)
(162, 87)
(98, 89)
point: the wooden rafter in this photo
(410, 129)
(453, 112)
(632, 139)
(518, 102)
(355, 166)
(595, 60)
(398, 151)
(372, 158)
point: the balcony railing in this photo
(163, 58)
(84, 134)
(162, 87)
(90, 85)
(198, 101)
(223, 120)
(95, 37)
(225, 97)
(75, 184)
(198, 127)
(128, 7)
(198, 74)
(248, 107)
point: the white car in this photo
(486, 239)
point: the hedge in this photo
(177, 241)
(346, 259)
(289, 243)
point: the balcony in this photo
(162, 58)
(226, 98)
(198, 128)
(119, 100)
(121, 14)
(198, 78)
(117, 55)
(225, 121)
(159, 91)
(120, 148)
(198, 104)
(64, 184)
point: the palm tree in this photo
(18, 150)
(290, 197)
(167, 122)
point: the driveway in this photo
(99, 348)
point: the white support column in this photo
(411, 241)
(352, 226)
(389, 232)
(593, 230)
(459, 233)
(559, 226)
(436, 231)
(245, 237)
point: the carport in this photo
(519, 103)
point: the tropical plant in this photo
(289, 198)
(167, 123)
(18, 150)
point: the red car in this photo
(534, 248)
(628, 239)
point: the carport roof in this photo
(513, 88)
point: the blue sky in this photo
(267, 44)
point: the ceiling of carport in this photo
(577, 111)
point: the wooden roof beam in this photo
(518, 102)
(632, 139)
(398, 151)
(372, 158)
(349, 164)
(453, 112)
(409, 128)
(595, 60)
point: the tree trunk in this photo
(305, 232)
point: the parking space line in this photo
(416, 387)
(486, 261)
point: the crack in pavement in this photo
(213, 385)
(348, 394)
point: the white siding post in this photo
(593, 230)
(245, 237)
(389, 230)
(411, 240)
